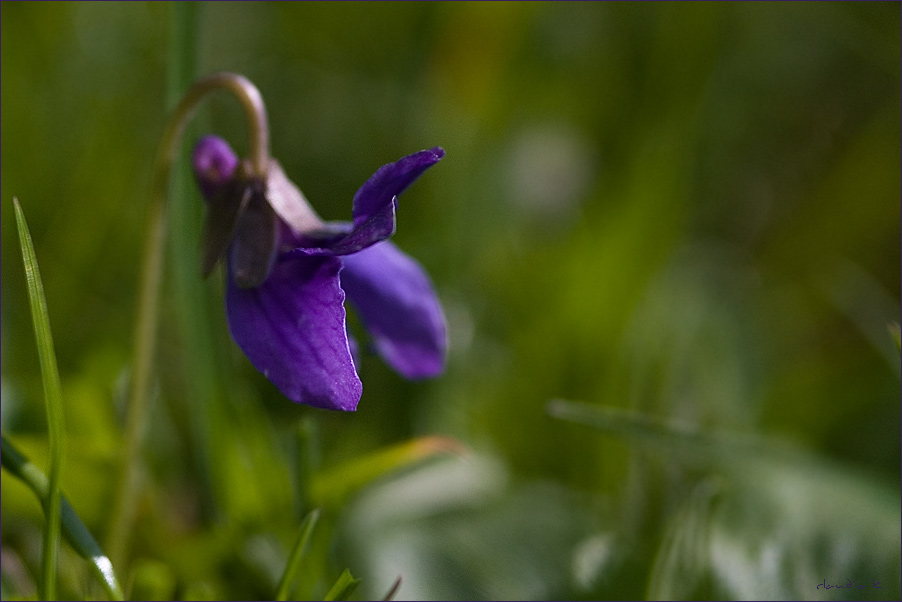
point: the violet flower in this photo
(289, 273)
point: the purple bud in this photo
(214, 163)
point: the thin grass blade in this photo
(54, 405)
(297, 554)
(344, 587)
(679, 439)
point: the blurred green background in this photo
(687, 212)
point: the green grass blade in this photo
(682, 441)
(669, 435)
(73, 529)
(344, 587)
(54, 405)
(676, 438)
(182, 64)
(297, 554)
(193, 319)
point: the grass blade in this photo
(684, 441)
(674, 437)
(344, 587)
(54, 405)
(294, 561)
(73, 529)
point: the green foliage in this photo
(683, 217)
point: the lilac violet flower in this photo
(289, 273)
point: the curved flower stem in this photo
(151, 277)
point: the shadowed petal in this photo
(292, 328)
(224, 206)
(289, 202)
(254, 244)
(399, 308)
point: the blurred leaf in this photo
(152, 580)
(332, 486)
(462, 530)
(680, 566)
(782, 530)
(896, 333)
(784, 521)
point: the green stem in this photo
(151, 277)
(54, 404)
(188, 293)
(74, 530)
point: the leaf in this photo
(337, 484)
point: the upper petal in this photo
(397, 304)
(374, 207)
(343, 238)
(292, 328)
(391, 180)
(289, 202)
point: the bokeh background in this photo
(677, 224)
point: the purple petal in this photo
(213, 162)
(355, 349)
(375, 204)
(398, 306)
(391, 180)
(343, 238)
(292, 328)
